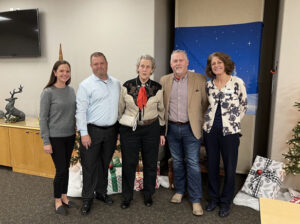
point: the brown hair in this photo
(228, 63)
(53, 78)
(97, 54)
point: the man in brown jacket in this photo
(185, 102)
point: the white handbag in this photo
(129, 121)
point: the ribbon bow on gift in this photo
(112, 168)
(258, 174)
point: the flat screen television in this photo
(20, 33)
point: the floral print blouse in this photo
(233, 100)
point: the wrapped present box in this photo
(264, 178)
(295, 196)
(138, 183)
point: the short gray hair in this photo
(179, 51)
(146, 57)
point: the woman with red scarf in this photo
(142, 127)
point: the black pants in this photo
(95, 160)
(145, 139)
(62, 148)
(228, 145)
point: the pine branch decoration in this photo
(293, 155)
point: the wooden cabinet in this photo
(25, 148)
(22, 149)
(4, 147)
(27, 153)
(44, 161)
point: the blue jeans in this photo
(185, 150)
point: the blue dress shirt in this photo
(97, 102)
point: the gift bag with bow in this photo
(115, 176)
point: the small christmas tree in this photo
(293, 155)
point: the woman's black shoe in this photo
(125, 204)
(61, 210)
(224, 212)
(148, 201)
(211, 206)
(70, 204)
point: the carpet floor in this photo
(29, 199)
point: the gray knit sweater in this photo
(57, 113)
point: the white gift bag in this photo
(75, 181)
(244, 199)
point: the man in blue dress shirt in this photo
(97, 111)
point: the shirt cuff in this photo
(46, 141)
(83, 133)
(162, 130)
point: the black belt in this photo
(178, 123)
(102, 127)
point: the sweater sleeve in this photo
(45, 101)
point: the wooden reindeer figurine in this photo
(10, 107)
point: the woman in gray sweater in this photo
(57, 124)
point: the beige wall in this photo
(286, 85)
(212, 13)
(217, 12)
(121, 29)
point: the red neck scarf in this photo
(142, 98)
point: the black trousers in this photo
(145, 139)
(62, 148)
(95, 160)
(228, 145)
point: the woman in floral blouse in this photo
(222, 126)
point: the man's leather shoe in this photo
(105, 198)
(211, 206)
(177, 198)
(224, 212)
(148, 201)
(197, 209)
(125, 204)
(61, 210)
(86, 207)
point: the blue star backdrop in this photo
(241, 41)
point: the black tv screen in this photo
(20, 33)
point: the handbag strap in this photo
(135, 123)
